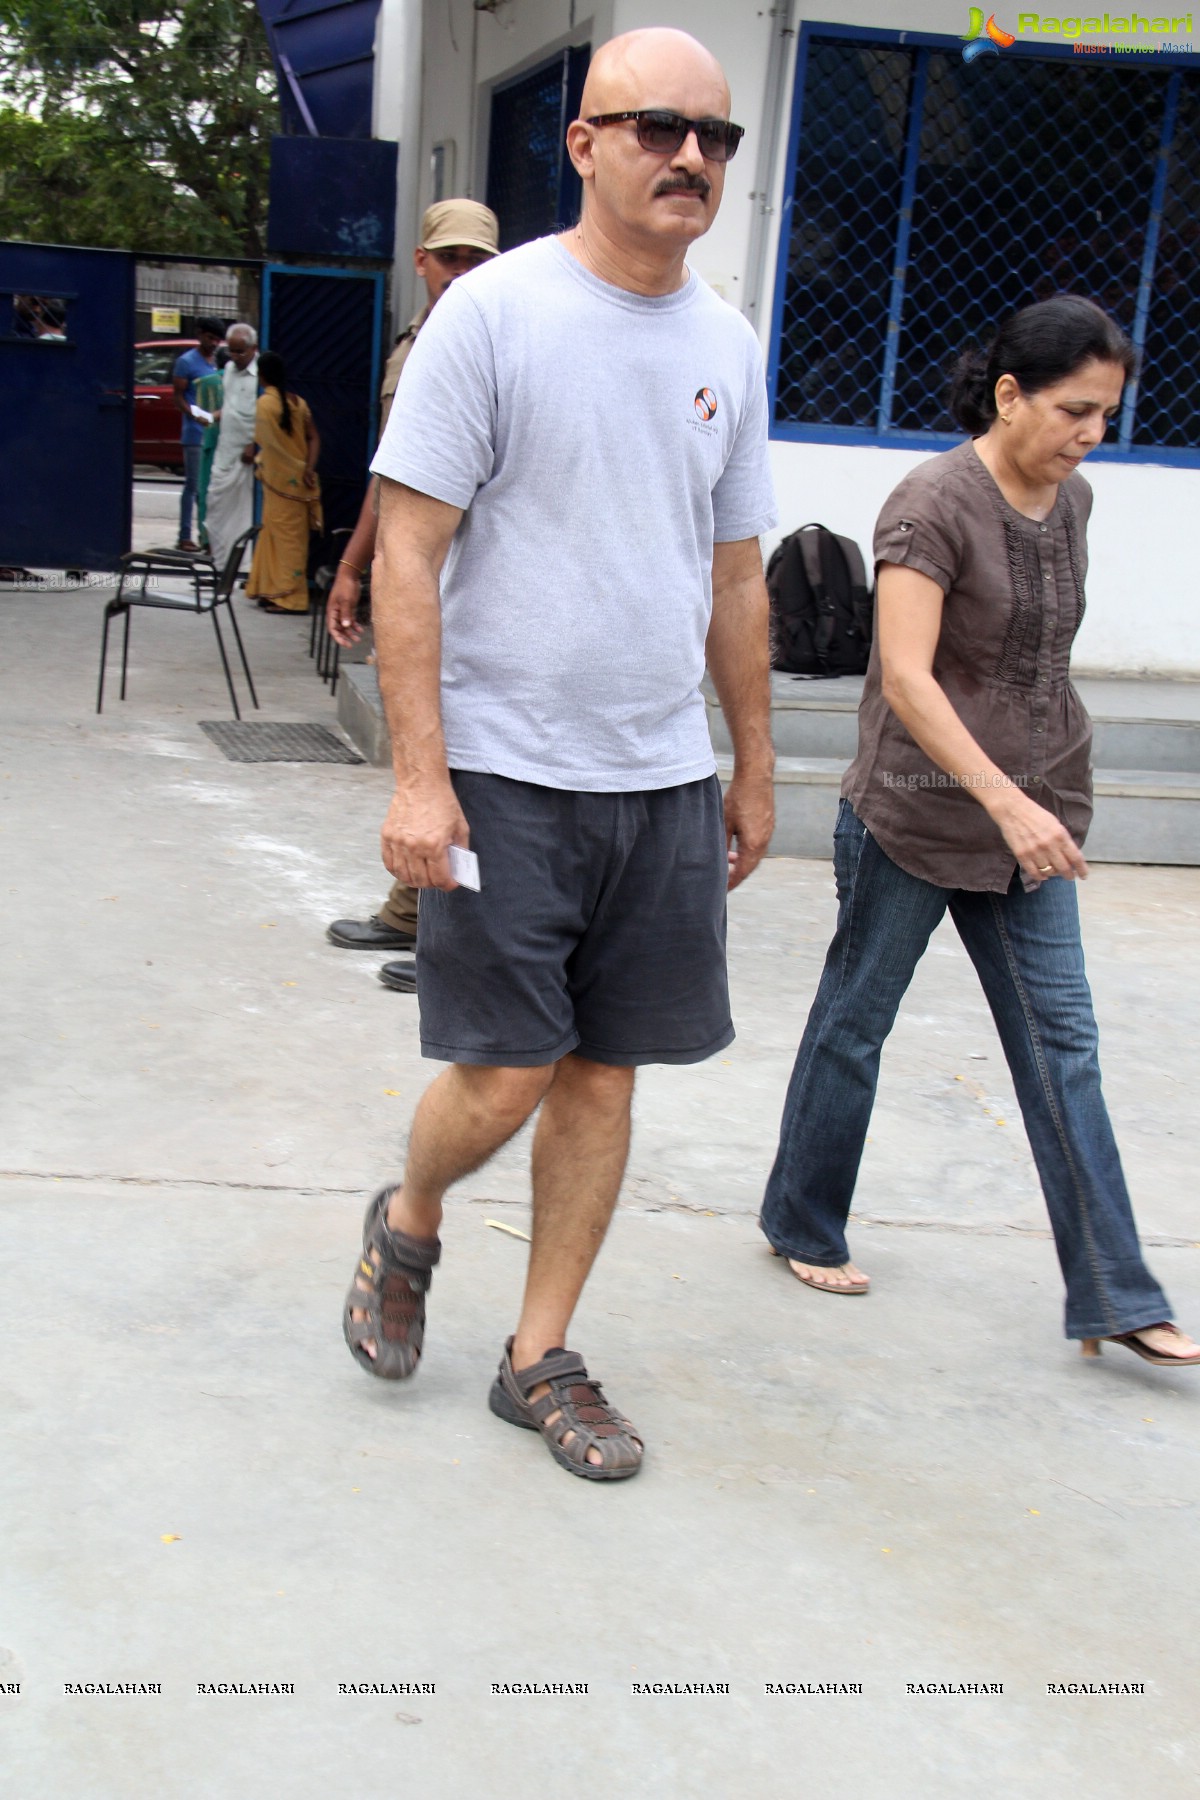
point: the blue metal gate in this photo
(66, 419)
(532, 186)
(327, 325)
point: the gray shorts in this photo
(600, 929)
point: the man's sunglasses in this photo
(663, 133)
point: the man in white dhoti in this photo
(230, 509)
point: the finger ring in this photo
(1046, 869)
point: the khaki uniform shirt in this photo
(394, 365)
(1014, 601)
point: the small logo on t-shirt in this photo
(705, 404)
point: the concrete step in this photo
(1147, 811)
(808, 718)
(1147, 744)
(820, 718)
(1146, 816)
(360, 712)
(1142, 815)
(1146, 749)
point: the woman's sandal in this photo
(1132, 1341)
(399, 1269)
(573, 1418)
(824, 1287)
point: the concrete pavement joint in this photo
(875, 1221)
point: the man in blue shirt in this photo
(188, 370)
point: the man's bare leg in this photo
(461, 1120)
(579, 1154)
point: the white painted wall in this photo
(1142, 587)
(464, 54)
(1142, 590)
(396, 113)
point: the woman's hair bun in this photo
(1039, 346)
(972, 403)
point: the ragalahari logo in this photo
(984, 40)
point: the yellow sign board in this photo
(165, 318)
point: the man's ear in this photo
(580, 149)
(420, 261)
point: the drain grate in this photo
(253, 741)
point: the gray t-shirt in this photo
(598, 442)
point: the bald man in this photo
(574, 480)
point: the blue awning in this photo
(324, 53)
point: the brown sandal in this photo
(399, 1269)
(573, 1418)
(1133, 1340)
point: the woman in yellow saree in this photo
(288, 448)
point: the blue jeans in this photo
(192, 454)
(1027, 953)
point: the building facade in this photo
(901, 186)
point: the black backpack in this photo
(821, 610)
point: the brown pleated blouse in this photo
(1014, 601)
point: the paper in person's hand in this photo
(464, 866)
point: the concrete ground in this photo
(198, 1486)
(155, 509)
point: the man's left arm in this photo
(180, 383)
(738, 654)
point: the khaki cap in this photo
(449, 223)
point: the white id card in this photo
(464, 866)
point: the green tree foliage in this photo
(136, 124)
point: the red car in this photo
(156, 415)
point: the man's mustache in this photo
(685, 184)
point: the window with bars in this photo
(532, 186)
(928, 198)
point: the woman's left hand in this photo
(1041, 845)
(310, 478)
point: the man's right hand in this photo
(422, 822)
(341, 607)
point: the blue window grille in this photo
(928, 198)
(532, 186)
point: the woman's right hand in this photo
(1041, 845)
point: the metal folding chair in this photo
(209, 592)
(323, 649)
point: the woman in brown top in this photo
(971, 791)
